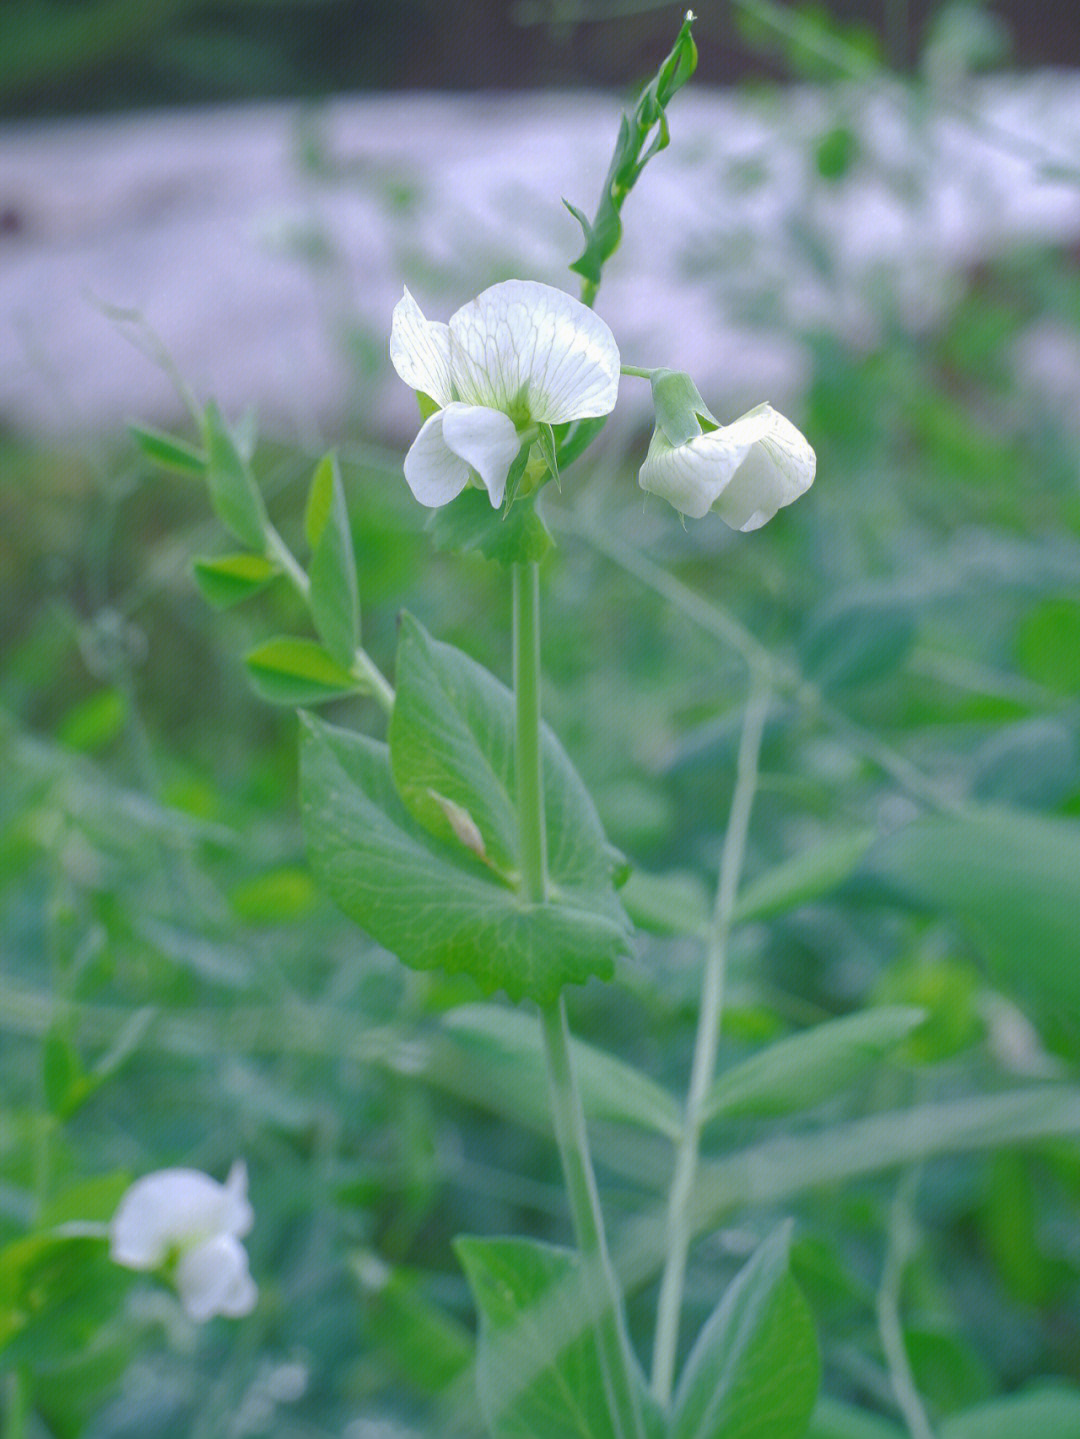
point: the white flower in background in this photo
(520, 355)
(745, 471)
(184, 1222)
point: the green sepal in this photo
(169, 452)
(754, 1370)
(509, 536)
(335, 601)
(234, 495)
(228, 579)
(545, 440)
(514, 476)
(289, 671)
(680, 410)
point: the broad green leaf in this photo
(505, 1047)
(538, 1370)
(229, 579)
(1050, 1412)
(1010, 878)
(169, 452)
(335, 603)
(754, 1370)
(513, 535)
(804, 878)
(237, 501)
(833, 1420)
(431, 901)
(297, 672)
(452, 742)
(796, 1073)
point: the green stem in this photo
(637, 372)
(680, 1223)
(527, 757)
(568, 1116)
(901, 1245)
(381, 688)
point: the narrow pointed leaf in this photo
(804, 878)
(229, 579)
(805, 1069)
(235, 496)
(298, 672)
(335, 603)
(754, 1370)
(169, 452)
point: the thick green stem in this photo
(527, 758)
(680, 1224)
(568, 1115)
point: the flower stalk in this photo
(568, 1115)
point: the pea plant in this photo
(466, 842)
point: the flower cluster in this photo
(522, 355)
(184, 1223)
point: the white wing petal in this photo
(420, 351)
(692, 476)
(213, 1278)
(778, 468)
(162, 1211)
(486, 440)
(535, 353)
(435, 474)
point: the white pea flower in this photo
(520, 355)
(182, 1221)
(745, 471)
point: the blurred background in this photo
(869, 214)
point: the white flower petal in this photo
(213, 1278)
(692, 476)
(778, 468)
(433, 471)
(486, 440)
(535, 353)
(169, 1209)
(239, 1216)
(744, 471)
(420, 351)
